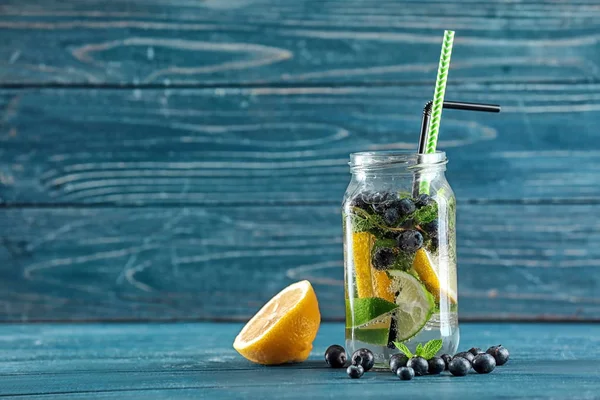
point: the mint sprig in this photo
(403, 261)
(403, 349)
(426, 214)
(427, 351)
(431, 348)
(364, 221)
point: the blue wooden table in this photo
(197, 361)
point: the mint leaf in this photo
(402, 347)
(361, 224)
(426, 214)
(362, 221)
(431, 348)
(403, 261)
(381, 242)
(419, 350)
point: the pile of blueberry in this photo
(384, 202)
(362, 360)
(387, 212)
(406, 368)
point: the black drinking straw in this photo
(454, 105)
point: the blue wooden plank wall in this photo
(186, 159)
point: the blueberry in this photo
(405, 207)
(397, 361)
(466, 355)
(419, 364)
(484, 363)
(459, 366)
(447, 358)
(501, 356)
(369, 197)
(359, 202)
(499, 353)
(389, 202)
(365, 200)
(335, 356)
(424, 200)
(379, 200)
(407, 224)
(492, 349)
(383, 259)
(363, 357)
(434, 243)
(405, 373)
(431, 228)
(436, 365)
(381, 197)
(390, 216)
(355, 371)
(475, 351)
(410, 241)
(381, 208)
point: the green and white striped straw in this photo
(440, 91)
(438, 100)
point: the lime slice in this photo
(415, 304)
(370, 320)
(367, 312)
(378, 336)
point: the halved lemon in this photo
(284, 329)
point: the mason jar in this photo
(400, 254)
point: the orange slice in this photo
(369, 281)
(361, 253)
(422, 265)
(382, 285)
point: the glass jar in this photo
(399, 253)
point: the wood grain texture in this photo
(515, 262)
(203, 148)
(272, 41)
(257, 146)
(185, 361)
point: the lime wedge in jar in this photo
(415, 304)
(369, 319)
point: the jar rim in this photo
(366, 160)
